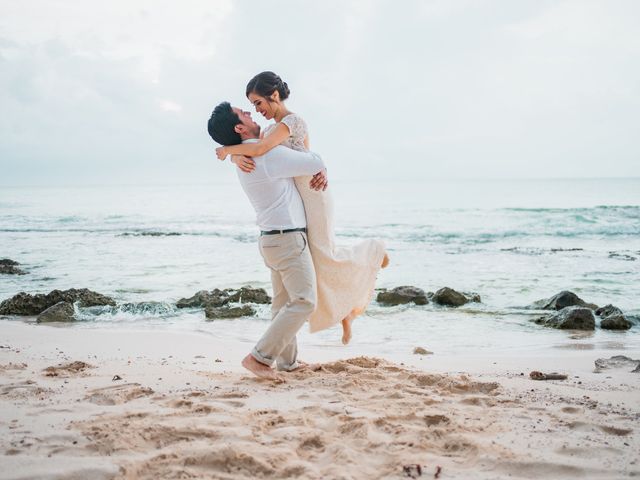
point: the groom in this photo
(283, 238)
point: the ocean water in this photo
(511, 241)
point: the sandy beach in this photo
(127, 404)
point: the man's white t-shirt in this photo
(271, 189)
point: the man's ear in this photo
(240, 129)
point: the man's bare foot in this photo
(385, 261)
(260, 369)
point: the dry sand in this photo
(79, 403)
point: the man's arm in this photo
(283, 162)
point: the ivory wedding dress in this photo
(345, 275)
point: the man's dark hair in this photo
(222, 125)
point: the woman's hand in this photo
(319, 181)
(246, 164)
(221, 153)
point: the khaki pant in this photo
(294, 297)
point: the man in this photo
(283, 239)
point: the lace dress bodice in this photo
(297, 132)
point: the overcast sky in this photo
(120, 91)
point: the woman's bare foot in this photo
(260, 369)
(346, 329)
(385, 261)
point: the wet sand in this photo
(107, 403)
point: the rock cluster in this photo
(217, 303)
(571, 312)
(407, 294)
(27, 304)
(10, 267)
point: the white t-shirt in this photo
(271, 189)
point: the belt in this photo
(279, 232)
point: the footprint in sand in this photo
(479, 401)
(12, 366)
(589, 427)
(571, 410)
(19, 390)
(118, 394)
(67, 369)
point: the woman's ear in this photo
(275, 96)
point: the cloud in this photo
(122, 90)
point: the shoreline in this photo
(176, 409)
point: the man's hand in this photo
(221, 153)
(319, 182)
(246, 164)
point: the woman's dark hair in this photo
(222, 125)
(265, 83)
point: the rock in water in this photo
(452, 298)
(615, 322)
(60, 312)
(218, 298)
(214, 298)
(617, 361)
(608, 310)
(569, 318)
(225, 312)
(402, 295)
(562, 300)
(26, 304)
(10, 267)
(613, 318)
(249, 295)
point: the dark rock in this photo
(615, 322)
(402, 295)
(11, 270)
(249, 295)
(562, 300)
(214, 298)
(218, 298)
(60, 312)
(27, 304)
(622, 256)
(569, 318)
(8, 262)
(421, 351)
(617, 361)
(607, 311)
(452, 298)
(229, 312)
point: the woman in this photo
(345, 276)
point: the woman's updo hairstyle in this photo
(265, 83)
